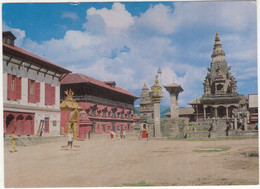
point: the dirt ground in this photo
(106, 162)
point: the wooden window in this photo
(37, 90)
(52, 95)
(49, 94)
(18, 88)
(14, 87)
(33, 91)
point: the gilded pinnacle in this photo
(217, 37)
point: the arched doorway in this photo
(9, 124)
(221, 111)
(19, 125)
(29, 125)
(210, 112)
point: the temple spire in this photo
(217, 36)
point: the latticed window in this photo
(14, 87)
(49, 94)
(33, 91)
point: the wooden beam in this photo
(20, 64)
(9, 60)
(29, 67)
(46, 72)
(63, 76)
(54, 75)
(39, 70)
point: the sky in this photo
(128, 42)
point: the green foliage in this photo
(209, 139)
(141, 183)
(218, 149)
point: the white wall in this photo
(40, 109)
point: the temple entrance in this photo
(221, 111)
(9, 124)
(210, 112)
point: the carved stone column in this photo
(227, 112)
(216, 112)
(235, 123)
(157, 95)
(204, 109)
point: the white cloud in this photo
(19, 34)
(117, 18)
(71, 15)
(159, 18)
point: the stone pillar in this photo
(204, 109)
(174, 91)
(235, 123)
(157, 95)
(245, 124)
(216, 112)
(227, 112)
(174, 105)
(157, 120)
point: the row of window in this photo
(14, 92)
(108, 114)
(114, 128)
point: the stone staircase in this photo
(32, 140)
(23, 141)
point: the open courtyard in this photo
(129, 162)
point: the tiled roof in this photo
(196, 101)
(80, 78)
(17, 51)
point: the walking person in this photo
(118, 134)
(70, 139)
(13, 139)
(89, 135)
(121, 134)
(112, 134)
(124, 134)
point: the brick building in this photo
(105, 106)
(31, 91)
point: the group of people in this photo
(119, 134)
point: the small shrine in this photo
(71, 107)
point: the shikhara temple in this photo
(220, 99)
(220, 96)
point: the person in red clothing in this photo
(112, 134)
(144, 135)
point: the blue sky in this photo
(127, 42)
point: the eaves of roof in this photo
(21, 53)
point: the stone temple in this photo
(220, 96)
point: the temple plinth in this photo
(174, 91)
(157, 95)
